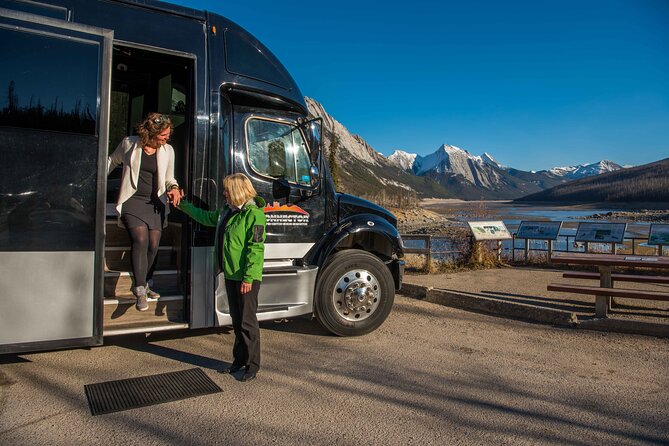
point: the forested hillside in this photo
(649, 183)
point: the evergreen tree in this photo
(332, 160)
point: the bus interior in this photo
(146, 81)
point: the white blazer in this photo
(129, 152)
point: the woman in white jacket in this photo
(147, 185)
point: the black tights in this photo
(145, 244)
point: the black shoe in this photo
(248, 376)
(232, 369)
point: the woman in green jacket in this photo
(243, 252)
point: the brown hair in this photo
(239, 187)
(152, 125)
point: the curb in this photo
(531, 313)
(626, 326)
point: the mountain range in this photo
(646, 183)
(449, 172)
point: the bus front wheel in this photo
(355, 293)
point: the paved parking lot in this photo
(429, 375)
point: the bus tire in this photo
(354, 294)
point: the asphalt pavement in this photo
(431, 375)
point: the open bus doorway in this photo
(145, 81)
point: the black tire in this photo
(354, 294)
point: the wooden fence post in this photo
(527, 250)
(550, 252)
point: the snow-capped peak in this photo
(585, 170)
(488, 159)
(402, 159)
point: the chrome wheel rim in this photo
(356, 295)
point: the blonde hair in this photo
(239, 187)
(154, 124)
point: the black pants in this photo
(243, 308)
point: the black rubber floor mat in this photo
(124, 394)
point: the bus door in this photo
(53, 146)
(276, 154)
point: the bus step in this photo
(119, 283)
(130, 299)
(124, 313)
(133, 328)
(268, 308)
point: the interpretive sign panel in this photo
(659, 234)
(489, 230)
(540, 230)
(600, 232)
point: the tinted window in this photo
(47, 82)
(48, 146)
(277, 150)
(55, 12)
(248, 57)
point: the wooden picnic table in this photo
(605, 262)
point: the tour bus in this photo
(76, 77)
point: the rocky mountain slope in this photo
(367, 173)
(449, 172)
(474, 177)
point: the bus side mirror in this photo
(315, 175)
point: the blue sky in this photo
(536, 84)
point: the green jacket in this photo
(243, 244)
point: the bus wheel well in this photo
(372, 242)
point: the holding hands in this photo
(175, 195)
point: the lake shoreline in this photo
(625, 205)
(447, 217)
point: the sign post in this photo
(539, 230)
(659, 236)
(611, 233)
(484, 231)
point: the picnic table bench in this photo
(605, 291)
(621, 277)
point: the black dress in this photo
(144, 207)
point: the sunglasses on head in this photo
(159, 119)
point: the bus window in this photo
(48, 142)
(277, 150)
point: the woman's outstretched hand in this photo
(175, 196)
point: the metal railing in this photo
(427, 246)
(564, 243)
(568, 240)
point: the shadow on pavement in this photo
(297, 325)
(12, 359)
(144, 344)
